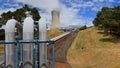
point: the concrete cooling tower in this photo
(55, 19)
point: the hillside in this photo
(54, 33)
(93, 49)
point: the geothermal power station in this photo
(26, 44)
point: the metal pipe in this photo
(53, 55)
(28, 31)
(36, 54)
(16, 56)
(21, 54)
(48, 54)
(42, 46)
(9, 37)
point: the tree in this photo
(35, 14)
(19, 14)
(83, 27)
(109, 20)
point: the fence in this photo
(18, 54)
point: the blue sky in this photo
(72, 12)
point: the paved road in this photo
(1, 58)
(62, 47)
(61, 50)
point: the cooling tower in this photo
(55, 19)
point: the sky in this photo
(72, 12)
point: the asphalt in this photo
(1, 58)
(61, 49)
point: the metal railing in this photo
(18, 47)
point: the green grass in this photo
(93, 49)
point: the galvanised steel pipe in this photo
(28, 33)
(42, 46)
(9, 48)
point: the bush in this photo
(83, 27)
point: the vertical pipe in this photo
(35, 54)
(20, 48)
(16, 55)
(53, 55)
(20, 34)
(42, 46)
(48, 54)
(4, 56)
(28, 31)
(21, 54)
(9, 37)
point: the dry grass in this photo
(1, 47)
(62, 65)
(53, 33)
(93, 49)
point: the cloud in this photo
(111, 0)
(11, 5)
(96, 8)
(101, 0)
(67, 15)
(6, 10)
(81, 4)
(8, 0)
(95, 0)
(47, 5)
(70, 10)
(0, 0)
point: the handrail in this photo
(60, 36)
(21, 41)
(35, 43)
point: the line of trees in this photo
(19, 14)
(108, 19)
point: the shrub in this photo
(83, 27)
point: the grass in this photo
(93, 49)
(1, 47)
(53, 33)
